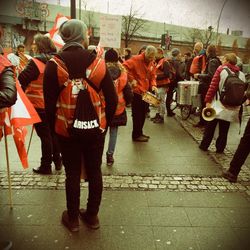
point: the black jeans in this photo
(221, 141)
(169, 98)
(139, 110)
(86, 150)
(49, 143)
(242, 152)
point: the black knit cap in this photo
(111, 56)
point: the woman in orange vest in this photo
(81, 65)
(125, 95)
(31, 80)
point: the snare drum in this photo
(151, 99)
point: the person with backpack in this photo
(212, 63)
(125, 95)
(214, 93)
(78, 80)
(31, 80)
(175, 76)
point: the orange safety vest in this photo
(120, 83)
(4, 62)
(34, 90)
(159, 70)
(196, 68)
(66, 102)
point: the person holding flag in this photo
(31, 80)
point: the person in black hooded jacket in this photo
(212, 63)
(31, 74)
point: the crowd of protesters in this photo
(50, 77)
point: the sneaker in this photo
(92, 221)
(229, 176)
(160, 119)
(110, 159)
(155, 117)
(141, 138)
(146, 136)
(71, 224)
(58, 164)
(170, 114)
(203, 148)
(43, 170)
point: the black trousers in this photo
(139, 110)
(242, 152)
(169, 98)
(85, 150)
(221, 141)
(49, 143)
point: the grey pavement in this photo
(164, 194)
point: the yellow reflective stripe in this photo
(35, 96)
(35, 85)
(62, 118)
(66, 106)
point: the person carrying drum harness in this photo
(74, 63)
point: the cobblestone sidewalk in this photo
(189, 183)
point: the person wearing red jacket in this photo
(220, 75)
(142, 76)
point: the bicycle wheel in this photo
(185, 111)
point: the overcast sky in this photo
(191, 13)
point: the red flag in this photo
(53, 33)
(21, 114)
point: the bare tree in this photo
(204, 36)
(131, 25)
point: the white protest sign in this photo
(110, 31)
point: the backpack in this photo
(85, 120)
(233, 90)
(172, 71)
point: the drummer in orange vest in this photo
(31, 80)
(142, 76)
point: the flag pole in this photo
(8, 169)
(31, 135)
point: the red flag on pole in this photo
(21, 114)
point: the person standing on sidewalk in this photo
(162, 80)
(216, 84)
(212, 63)
(239, 157)
(125, 95)
(142, 76)
(74, 63)
(31, 80)
(8, 97)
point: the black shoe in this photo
(155, 117)
(170, 114)
(5, 245)
(146, 136)
(58, 164)
(92, 221)
(43, 170)
(203, 148)
(199, 125)
(71, 224)
(110, 159)
(229, 176)
(159, 120)
(141, 138)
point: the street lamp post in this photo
(218, 22)
(73, 8)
